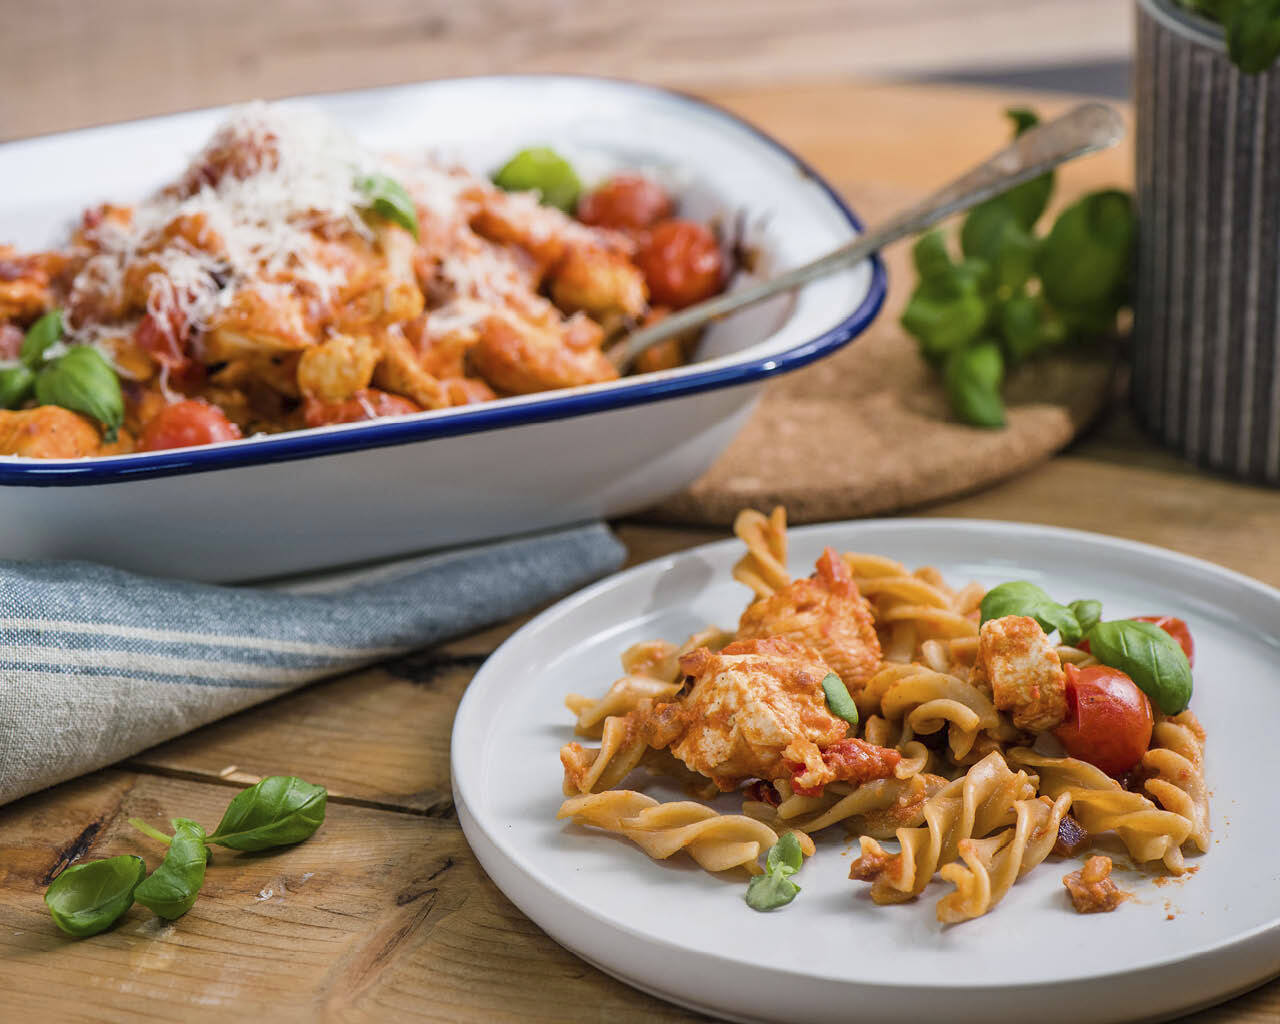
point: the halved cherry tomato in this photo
(366, 404)
(1108, 719)
(184, 424)
(1177, 629)
(626, 202)
(681, 263)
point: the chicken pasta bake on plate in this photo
(291, 278)
(979, 732)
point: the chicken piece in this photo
(369, 404)
(388, 292)
(262, 320)
(400, 371)
(826, 612)
(25, 290)
(597, 282)
(519, 219)
(337, 368)
(748, 704)
(48, 432)
(1021, 670)
(1091, 889)
(467, 390)
(517, 356)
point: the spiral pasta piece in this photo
(1101, 804)
(876, 808)
(1176, 764)
(764, 567)
(718, 842)
(591, 771)
(970, 807)
(626, 695)
(988, 867)
(926, 701)
(661, 660)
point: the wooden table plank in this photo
(97, 62)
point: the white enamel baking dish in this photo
(339, 495)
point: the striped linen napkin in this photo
(97, 664)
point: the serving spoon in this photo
(1084, 129)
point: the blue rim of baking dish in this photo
(306, 444)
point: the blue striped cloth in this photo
(97, 664)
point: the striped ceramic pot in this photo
(1207, 302)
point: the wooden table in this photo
(385, 912)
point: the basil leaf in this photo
(89, 898)
(1019, 597)
(16, 383)
(542, 170)
(1147, 655)
(84, 382)
(1253, 33)
(278, 811)
(1084, 263)
(973, 377)
(390, 200)
(1087, 613)
(770, 891)
(785, 855)
(171, 889)
(838, 700)
(40, 335)
(993, 233)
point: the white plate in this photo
(336, 495)
(833, 955)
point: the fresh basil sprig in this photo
(1147, 655)
(84, 382)
(1020, 597)
(1014, 296)
(838, 700)
(1251, 27)
(89, 898)
(40, 335)
(171, 889)
(774, 888)
(278, 811)
(390, 200)
(1087, 613)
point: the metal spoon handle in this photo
(1084, 129)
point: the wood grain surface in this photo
(384, 913)
(70, 63)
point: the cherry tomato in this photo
(367, 404)
(681, 263)
(627, 202)
(1108, 719)
(10, 341)
(1177, 629)
(164, 339)
(184, 424)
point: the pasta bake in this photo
(290, 278)
(963, 735)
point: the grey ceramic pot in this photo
(1206, 374)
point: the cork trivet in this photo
(867, 431)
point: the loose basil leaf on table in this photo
(40, 335)
(1149, 656)
(83, 382)
(278, 811)
(390, 200)
(1019, 597)
(89, 898)
(838, 700)
(172, 888)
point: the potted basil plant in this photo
(1207, 296)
